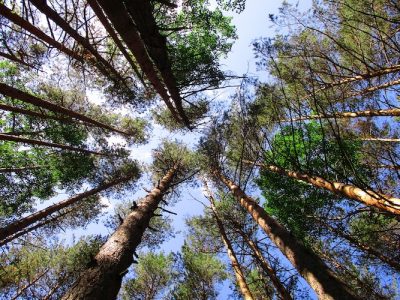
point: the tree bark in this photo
(366, 197)
(387, 140)
(103, 280)
(103, 19)
(308, 264)
(141, 13)
(99, 60)
(17, 139)
(14, 93)
(394, 112)
(16, 19)
(240, 278)
(123, 24)
(23, 223)
(280, 288)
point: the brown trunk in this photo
(141, 13)
(103, 19)
(367, 197)
(28, 285)
(394, 263)
(308, 264)
(59, 21)
(17, 139)
(15, 59)
(123, 24)
(280, 288)
(12, 92)
(103, 280)
(395, 112)
(16, 19)
(23, 223)
(240, 278)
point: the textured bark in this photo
(367, 197)
(103, 19)
(23, 223)
(309, 265)
(394, 112)
(103, 280)
(240, 278)
(280, 288)
(142, 15)
(12, 92)
(16, 19)
(123, 24)
(103, 65)
(17, 139)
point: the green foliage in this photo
(152, 276)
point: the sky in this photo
(251, 24)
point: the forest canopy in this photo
(134, 164)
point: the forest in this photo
(296, 172)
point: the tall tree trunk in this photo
(14, 93)
(280, 288)
(17, 139)
(16, 59)
(394, 112)
(393, 262)
(367, 197)
(103, 280)
(24, 24)
(59, 21)
(28, 285)
(23, 223)
(141, 13)
(103, 19)
(18, 170)
(240, 277)
(308, 264)
(123, 24)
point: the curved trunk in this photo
(123, 24)
(240, 278)
(23, 223)
(14, 93)
(103, 280)
(394, 112)
(12, 138)
(308, 264)
(367, 197)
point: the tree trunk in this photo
(23, 223)
(280, 288)
(103, 19)
(14, 93)
(13, 138)
(16, 59)
(240, 278)
(308, 264)
(18, 170)
(141, 13)
(123, 24)
(24, 24)
(99, 60)
(394, 112)
(103, 280)
(367, 197)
